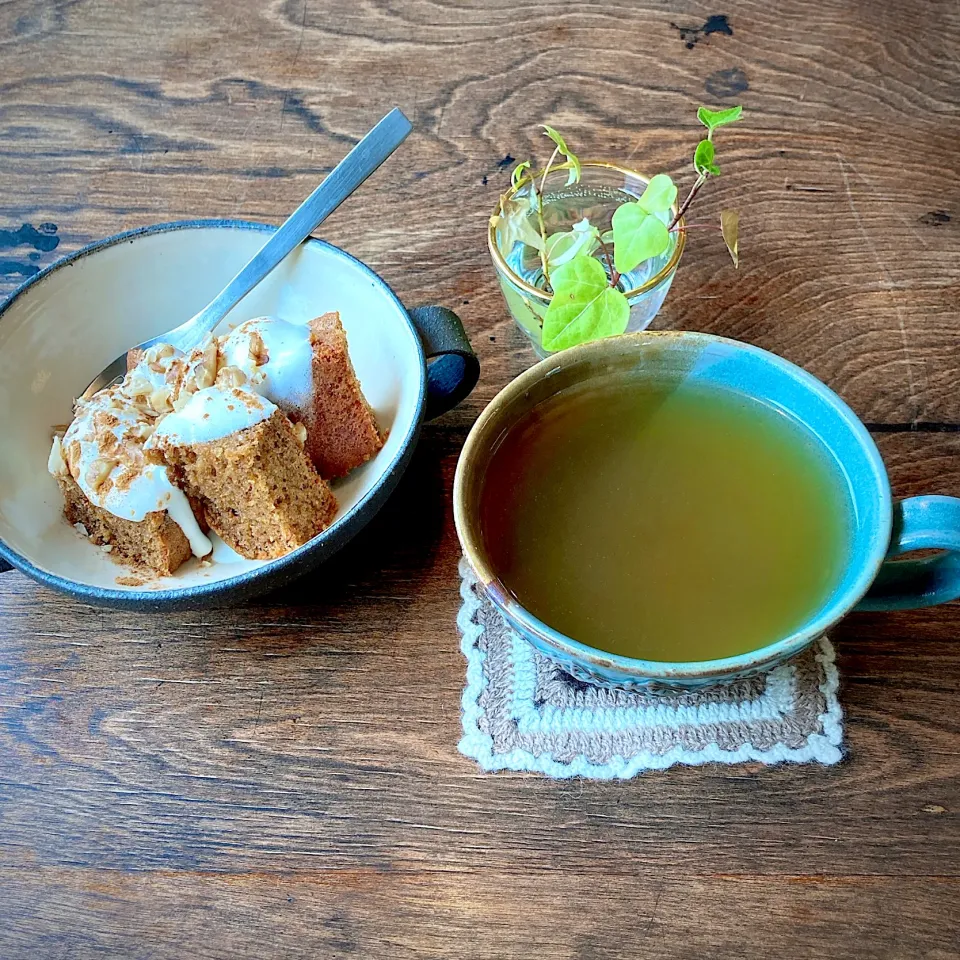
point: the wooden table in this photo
(281, 779)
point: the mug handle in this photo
(919, 523)
(455, 368)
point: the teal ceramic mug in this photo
(875, 578)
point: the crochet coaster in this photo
(523, 712)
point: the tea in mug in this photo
(665, 522)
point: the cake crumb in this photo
(132, 580)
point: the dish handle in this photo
(452, 367)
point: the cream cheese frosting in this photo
(104, 450)
(276, 357)
(113, 448)
(210, 415)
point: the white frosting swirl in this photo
(104, 451)
(210, 415)
(276, 356)
(170, 398)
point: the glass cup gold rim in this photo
(504, 268)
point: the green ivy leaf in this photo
(584, 306)
(712, 119)
(564, 246)
(575, 167)
(637, 236)
(585, 271)
(703, 159)
(559, 244)
(517, 174)
(660, 194)
(555, 136)
(533, 196)
(730, 228)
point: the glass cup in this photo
(601, 189)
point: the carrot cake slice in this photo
(238, 436)
(307, 373)
(243, 461)
(112, 487)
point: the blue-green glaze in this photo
(880, 530)
(919, 523)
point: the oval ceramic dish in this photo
(66, 323)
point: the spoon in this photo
(345, 177)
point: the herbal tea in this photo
(664, 522)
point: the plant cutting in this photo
(588, 270)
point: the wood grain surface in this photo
(281, 779)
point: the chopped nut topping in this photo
(125, 479)
(207, 371)
(258, 350)
(139, 386)
(73, 456)
(160, 400)
(159, 351)
(230, 377)
(110, 445)
(176, 372)
(57, 463)
(98, 472)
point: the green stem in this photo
(701, 180)
(543, 238)
(546, 169)
(614, 275)
(543, 229)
